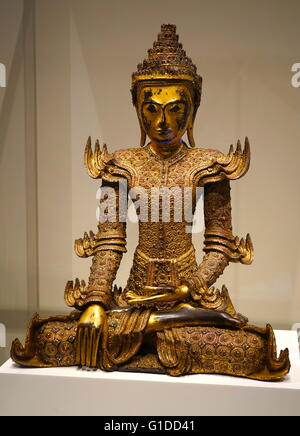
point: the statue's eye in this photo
(175, 108)
(151, 108)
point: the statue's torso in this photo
(148, 170)
(165, 254)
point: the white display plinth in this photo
(70, 391)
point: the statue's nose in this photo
(162, 121)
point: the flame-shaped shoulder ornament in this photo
(231, 166)
(101, 165)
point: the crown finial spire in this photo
(167, 59)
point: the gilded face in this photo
(165, 112)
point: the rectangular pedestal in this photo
(70, 391)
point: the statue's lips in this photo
(164, 132)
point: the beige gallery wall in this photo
(15, 299)
(85, 52)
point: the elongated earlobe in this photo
(143, 136)
(190, 135)
(143, 133)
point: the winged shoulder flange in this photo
(101, 165)
(231, 166)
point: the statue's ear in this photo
(190, 134)
(143, 136)
(143, 133)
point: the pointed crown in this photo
(168, 60)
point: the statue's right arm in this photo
(105, 264)
(106, 248)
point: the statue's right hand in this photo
(92, 325)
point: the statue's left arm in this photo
(220, 246)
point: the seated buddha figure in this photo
(169, 318)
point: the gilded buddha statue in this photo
(169, 318)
